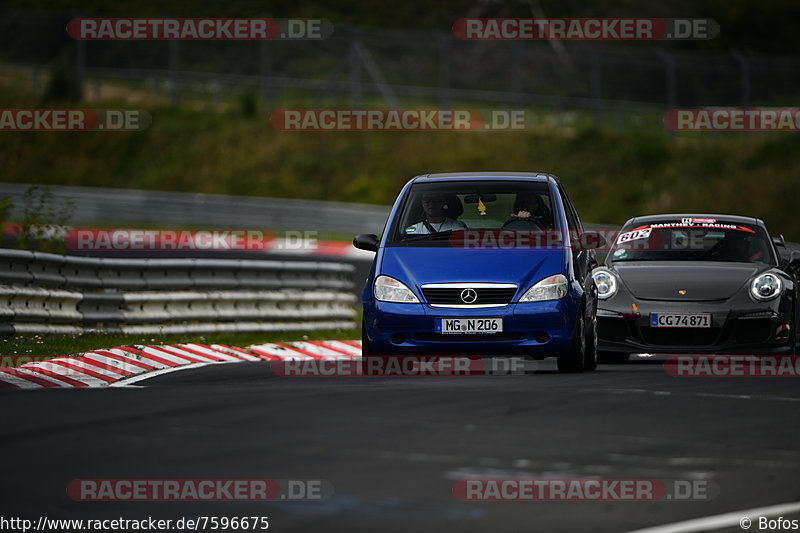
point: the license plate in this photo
(469, 325)
(680, 320)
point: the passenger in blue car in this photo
(435, 220)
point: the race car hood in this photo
(417, 266)
(701, 280)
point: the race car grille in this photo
(612, 329)
(452, 296)
(680, 336)
(752, 330)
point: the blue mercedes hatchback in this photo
(483, 264)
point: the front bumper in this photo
(747, 328)
(395, 329)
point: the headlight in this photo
(390, 290)
(606, 283)
(552, 288)
(766, 286)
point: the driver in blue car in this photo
(435, 220)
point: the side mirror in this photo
(367, 241)
(794, 259)
(778, 241)
(592, 240)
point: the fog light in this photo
(782, 331)
(542, 337)
(398, 338)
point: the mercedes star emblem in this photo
(469, 296)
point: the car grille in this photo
(612, 328)
(680, 336)
(452, 296)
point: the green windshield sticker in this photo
(411, 229)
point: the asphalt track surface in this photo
(393, 447)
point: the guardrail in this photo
(48, 293)
(97, 205)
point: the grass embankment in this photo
(610, 175)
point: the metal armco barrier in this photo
(97, 205)
(48, 293)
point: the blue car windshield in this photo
(433, 214)
(693, 239)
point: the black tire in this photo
(590, 356)
(613, 357)
(366, 348)
(572, 361)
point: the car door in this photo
(581, 258)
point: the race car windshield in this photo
(434, 212)
(693, 240)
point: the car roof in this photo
(666, 217)
(487, 176)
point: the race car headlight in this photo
(606, 283)
(552, 288)
(766, 286)
(390, 290)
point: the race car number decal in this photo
(634, 235)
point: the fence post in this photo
(37, 81)
(596, 84)
(670, 82)
(744, 76)
(444, 70)
(80, 70)
(265, 72)
(174, 60)
(516, 72)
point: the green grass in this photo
(21, 348)
(611, 175)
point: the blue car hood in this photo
(416, 266)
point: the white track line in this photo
(727, 520)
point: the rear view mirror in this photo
(778, 241)
(591, 240)
(473, 198)
(367, 241)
